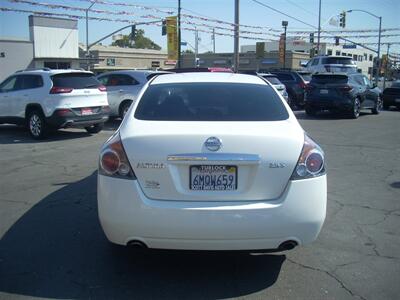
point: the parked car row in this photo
(45, 99)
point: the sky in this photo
(15, 24)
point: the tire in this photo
(378, 106)
(123, 109)
(36, 123)
(310, 111)
(95, 128)
(385, 106)
(355, 112)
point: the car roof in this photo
(208, 77)
(51, 71)
(133, 72)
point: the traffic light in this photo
(133, 32)
(164, 27)
(342, 20)
(337, 41)
(312, 38)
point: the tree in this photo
(139, 42)
(188, 51)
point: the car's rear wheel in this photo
(355, 112)
(37, 126)
(124, 108)
(95, 128)
(310, 111)
(378, 106)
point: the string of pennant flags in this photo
(215, 29)
(65, 15)
(188, 16)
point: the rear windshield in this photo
(284, 77)
(337, 60)
(305, 76)
(396, 85)
(329, 79)
(211, 102)
(75, 80)
(272, 80)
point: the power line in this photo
(282, 13)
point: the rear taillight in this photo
(113, 159)
(102, 88)
(309, 87)
(60, 90)
(63, 112)
(328, 68)
(303, 85)
(346, 88)
(311, 162)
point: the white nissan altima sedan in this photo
(211, 161)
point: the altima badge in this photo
(213, 143)
(277, 165)
(146, 165)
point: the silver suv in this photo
(46, 99)
(123, 88)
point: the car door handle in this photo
(121, 91)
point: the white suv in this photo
(50, 99)
(334, 64)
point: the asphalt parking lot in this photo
(52, 245)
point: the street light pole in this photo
(379, 39)
(179, 34)
(236, 39)
(319, 28)
(87, 32)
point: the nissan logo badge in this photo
(213, 143)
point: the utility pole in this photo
(196, 46)
(179, 33)
(386, 67)
(319, 28)
(213, 39)
(87, 33)
(236, 40)
(379, 51)
(284, 24)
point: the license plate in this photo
(86, 111)
(323, 91)
(213, 178)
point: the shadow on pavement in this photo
(301, 115)
(58, 250)
(12, 134)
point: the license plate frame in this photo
(324, 91)
(86, 111)
(218, 171)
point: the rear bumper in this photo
(391, 99)
(331, 104)
(71, 119)
(126, 214)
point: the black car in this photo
(342, 93)
(295, 83)
(391, 96)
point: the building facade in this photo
(111, 58)
(247, 61)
